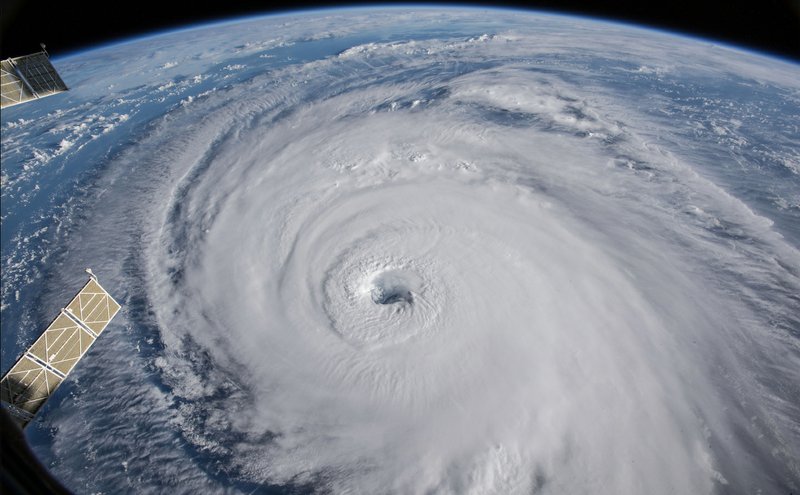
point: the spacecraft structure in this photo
(45, 365)
(28, 78)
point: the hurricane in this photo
(508, 253)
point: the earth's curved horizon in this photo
(739, 46)
(415, 249)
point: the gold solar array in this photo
(36, 375)
(28, 78)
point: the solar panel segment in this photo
(28, 78)
(42, 368)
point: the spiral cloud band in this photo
(461, 263)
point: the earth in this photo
(415, 251)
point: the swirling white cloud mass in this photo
(419, 252)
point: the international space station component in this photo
(28, 78)
(43, 367)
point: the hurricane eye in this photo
(391, 288)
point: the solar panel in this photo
(36, 375)
(27, 78)
(93, 307)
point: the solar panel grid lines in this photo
(14, 90)
(40, 73)
(55, 353)
(93, 307)
(28, 78)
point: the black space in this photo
(771, 26)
